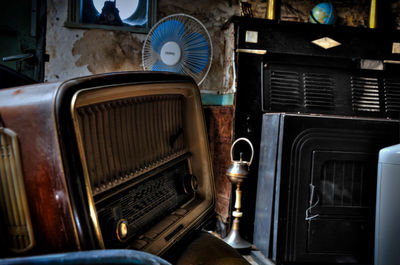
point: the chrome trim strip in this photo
(391, 61)
(13, 199)
(253, 51)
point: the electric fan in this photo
(178, 43)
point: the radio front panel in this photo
(142, 150)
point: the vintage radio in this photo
(109, 161)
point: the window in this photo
(131, 15)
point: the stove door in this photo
(316, 191)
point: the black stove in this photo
(317, 118)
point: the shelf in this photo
(286, 37)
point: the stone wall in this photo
(349, 13)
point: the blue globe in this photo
(323, 14)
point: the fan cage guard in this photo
(191, 36)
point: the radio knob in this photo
(122, 230)
(190, 184)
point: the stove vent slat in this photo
(365, 93)
(318, 90)
(392, 95)
(285, 88)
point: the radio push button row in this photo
(150, 235)
(122, 230)
(180, 212)
(139, 244)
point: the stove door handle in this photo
(313, 204)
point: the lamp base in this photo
(234, 239)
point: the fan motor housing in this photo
(170, 53)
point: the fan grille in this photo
(187, 34)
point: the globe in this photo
(322, 14)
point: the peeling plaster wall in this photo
(59, 44)
(106, 51)
(78, 52)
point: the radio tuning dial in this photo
(122, 230)
(190, 184)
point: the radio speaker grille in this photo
(127, 137)
(14, 206)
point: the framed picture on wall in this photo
(129, 15)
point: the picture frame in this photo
(100, 14)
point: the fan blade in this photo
(167, 31)
(161, 67)
(196, 52)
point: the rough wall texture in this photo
(219, 121)
(59, 44)
(395, 8)
(106, 51)
(349, 13)
(77, 52)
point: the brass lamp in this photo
(237, 173)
